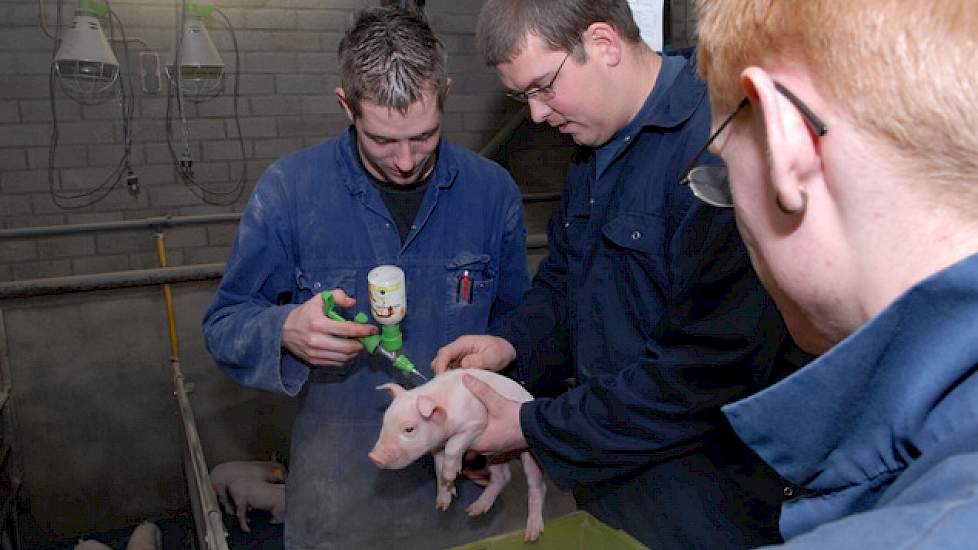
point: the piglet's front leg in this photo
(455, 449)
(446, 489)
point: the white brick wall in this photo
(287, 53)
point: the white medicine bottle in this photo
(388, 297)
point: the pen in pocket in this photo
(464, 288)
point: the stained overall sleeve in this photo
(243, 326)
(718, 341)
(514, 278)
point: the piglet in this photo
(255, 494)
(443, 417)
(146, 536)
(223, 474)
(91, 544)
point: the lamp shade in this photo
(201, 67)
(84, 63)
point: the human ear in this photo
(602, 40)
(344, 102)
(793, 158)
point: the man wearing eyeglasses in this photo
(854, 178)
(649, 293)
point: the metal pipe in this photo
(152, 223)
(108, 281)
(536, 240)
(168, 299)
(142, 277)
(167, 221)
(208, 514)
(504, 133)
(541, 197)
(203, 502)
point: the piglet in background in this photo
(255, 494)
(146, 536)
(91, 544)
(443, 417)
(222, 475)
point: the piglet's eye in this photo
(409, 429)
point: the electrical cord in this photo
(123, 169)
(184, 164)
(93, 195)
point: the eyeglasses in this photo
(544, 93)
(709, 182)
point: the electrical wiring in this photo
(184, 163)
(95, 194)
(124, 92)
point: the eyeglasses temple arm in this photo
(816, 123)
(696, 157)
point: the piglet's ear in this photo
(393, 389)
(430, 410)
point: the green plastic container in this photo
(575, 531)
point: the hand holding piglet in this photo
(444, 418)
(474, 352)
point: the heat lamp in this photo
(84, 64)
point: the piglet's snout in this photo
(385, 458)
(375, 458)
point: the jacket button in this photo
(566, 224)
(788, 491)
(636, 235)
(316, 285)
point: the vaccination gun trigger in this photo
(371, 343)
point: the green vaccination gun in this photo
(388, 343)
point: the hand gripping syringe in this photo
(388, 343)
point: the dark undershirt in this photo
(403, 201)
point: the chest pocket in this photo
(635, 247)
(470, 289)
(314, 279)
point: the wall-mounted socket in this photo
(149, 72)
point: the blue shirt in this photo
(888, 457)
(315, 223)
(650, 295)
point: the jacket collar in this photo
(878, 399)
(355, 179)
(684, 96)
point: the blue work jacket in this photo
(316, 223)
(888, 457)
(650, 295)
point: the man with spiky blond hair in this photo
(850, 135)
(389, 190)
